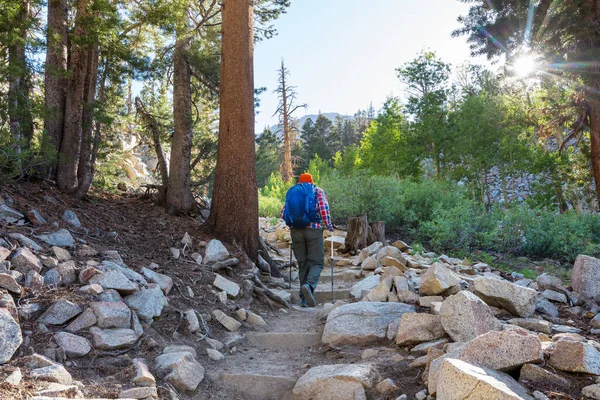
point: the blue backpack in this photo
(300, 206)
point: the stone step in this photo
(323, 295)
(284, 340)
(339, 276)
(260, 386)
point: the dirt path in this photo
(269, 361)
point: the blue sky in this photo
(342, 53)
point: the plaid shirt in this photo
(322, 208)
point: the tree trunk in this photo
(234, 208)
(152, 125)
(376, 232)
(55, 73)
(286, 166)
(85, 170)
(19, 109)
(78, 66)
(358, 231)
(595, 146)
(179, 194)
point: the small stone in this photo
(338, 381)
(215, 355)
(576, 357)
(422, 395)
(10, 336)
(255, 319)
(437, 280)
(369, 353)
(29, 311)
(515, 299)
(215, 251)
(73, 345)
(532, 373)
(386, 387)
(34, 281)
(114, 279)
(93, 289)
(222, 296)
(544, 307)
(139, 393)
(61, 238)
(25, 241)
(215, 344)
(143, 377)
(465, 316)
(14, 378)
(88, 273)
(60, 253)
(52, 373)
(187, 240)
(228, 322)
(147, 303)
(112, 339)
(36, 218)
(197, 258)
(532, 324)
(592, 391)
(9, 283)
(554, 296)
(191, 322)
(163, 281)
(180, 369)
(241, 314)
(24, 260)
(111, 314)
(426, 301)
(60, 312)
(232, 288)
(71, 218)
(67, 272)
(418, 328)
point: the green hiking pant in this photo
(309, 251)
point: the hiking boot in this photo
(303, 304)
(306, 291)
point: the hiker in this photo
(306, 212)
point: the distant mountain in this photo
(331, 116)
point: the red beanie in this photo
(306, 178)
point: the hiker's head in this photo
(306, 178)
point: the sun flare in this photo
(524, 65)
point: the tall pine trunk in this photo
(78, 66)
(234, 208)
(595, 145)
(179, 194)
(55, 73)
(286, 166)
(85, 168)
(19, 109)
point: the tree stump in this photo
(376, 232)
(358, 231)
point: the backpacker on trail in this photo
(306, 212)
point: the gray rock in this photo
(380, 292)
(26, 242)
(554, 296)
(24, 261)
(165, 282)
(147, 303)
(10, 336)
(60, 238)
(565, 329)
(34, 281)
(465, 316)
(437, 280)
(461, 380)
(533, 324)
(180, 369)
(191, 322)
(111, 314)
(365, 286)
(71, 218)
(128, 272)
(36, 218)
(231, 288)
(67, 272)
(143, 377)
(544, 307)
(591, 391)
(229, 323)
(111, 339)
(28, 311)
(585, 276)
(85, 320)
(61, 254)
(215, 355)
(215, 251)
(147, 392)
(14, 379)
(363, 322)
(338, 381)
(4, 253)
(417, 328)
(73, 345)
(532, 373)
(8, 215)
(9, 283)
(52, 373)
(52, 277)
(503, 351)
(369, 264)
(114, 279)
(515, 299)
(573, 356)
(59, 313)
(549, 282)
(110, 295)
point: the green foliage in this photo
(267, 156)
(276, 187)
(269, 206)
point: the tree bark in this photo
(286, 166)
(234, 208)
(85, 168)
(71, 143)
(595, 146)
(179, 194)
(55, 94)
(376, 233)
(19, 109)
(358, 231)
(152, 125)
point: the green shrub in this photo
(269, 206)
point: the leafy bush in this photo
(269, 206)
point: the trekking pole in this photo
(332, 298)
(291, 255)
